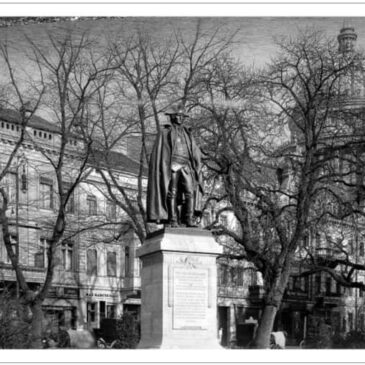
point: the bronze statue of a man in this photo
(174, 178)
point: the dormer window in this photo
(41, 134)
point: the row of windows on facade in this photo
(67, 317)
(46, 197)
(237, 275)
(10, 126)
(322, 285)
(353, 246)
(36, 133)
(57, 317)
(68, 258)
(344, 166)
(322, 243)
(92, 263)
(16, 128)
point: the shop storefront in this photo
(60, 308)
(99, 304)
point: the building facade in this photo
(308, 300)
(96, 273)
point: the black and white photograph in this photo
(182, 183)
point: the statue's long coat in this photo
(159, 174)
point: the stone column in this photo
(179, 290)
(81, 312)
(232, 327)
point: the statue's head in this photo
(177, 113)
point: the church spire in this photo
(346, 38)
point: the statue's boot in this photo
(190, 212)
(172, 206)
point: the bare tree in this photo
(65, 74)
(268, 139)
(150, 75)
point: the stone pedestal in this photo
(179, 290)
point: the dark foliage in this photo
(128, 331)
(14, 323)
(352, 340)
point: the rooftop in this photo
(113, 159)
(117, 161)
(13, 116)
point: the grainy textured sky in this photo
(256, 34)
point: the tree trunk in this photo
(36, 325)
(262, 338)
(272, 304)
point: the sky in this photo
(256, 34)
